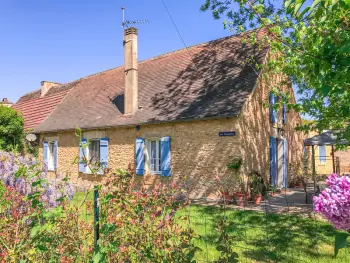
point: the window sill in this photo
(155, 173)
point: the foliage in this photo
(225, 244)
(315, 45)
(139, 226)
(257, 183)
(235, 164)
(36, 224)
(26, 176)
(334, 203)
(11, 129)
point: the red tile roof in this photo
(35, 109)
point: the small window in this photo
(51, 165)
(154, 155)
(93, 152)
(322, 153)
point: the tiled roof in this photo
(206, 80)
(35, 108)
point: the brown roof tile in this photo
(206, 80)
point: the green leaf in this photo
(287, 3)
(98, 257)
(340, 241)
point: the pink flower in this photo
(334, 201)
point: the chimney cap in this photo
(130, 30)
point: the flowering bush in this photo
(36, 222)
(334, 201)
(25, 175)
(139, 226)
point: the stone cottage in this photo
(181, 116)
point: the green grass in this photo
(84, 212)
(258, 237)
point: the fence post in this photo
(96, 218)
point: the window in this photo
(51, 160)
(93, 152)
(322, 153)
(154, 155)
(96, 152)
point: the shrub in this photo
(139, 226)
(11, 129)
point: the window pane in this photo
(51, 149)
(153, 156)
(94, 150)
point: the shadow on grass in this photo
(267, 237)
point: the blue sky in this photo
(65, 40)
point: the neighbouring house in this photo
(180, 117)
(5, 102)
(37, 105)
(323, 156)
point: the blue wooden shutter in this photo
(103, 153)
(285, 163)
(273, 112)
(322, 153)
(46, 154)
(165, 156)
(273, 160)
(81, 155)
(140, 156)
(55, 153)
(284, 113)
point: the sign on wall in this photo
(227, 133)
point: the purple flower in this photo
(334, 201)
(19, 173)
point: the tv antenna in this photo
(126, 23)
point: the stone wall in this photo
(255, 129)
(198, 153)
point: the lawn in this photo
(258, 237)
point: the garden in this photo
(47, 221)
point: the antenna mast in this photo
(125, 23)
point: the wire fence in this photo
(282, 228)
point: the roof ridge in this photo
(152, 58)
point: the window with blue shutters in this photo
(157, 154)
(273, 112)
(95, 151)
(322, 153)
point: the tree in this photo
(314, 41)
(11, 129)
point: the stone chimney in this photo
(131, 71)
(46, 86)
(6, 102)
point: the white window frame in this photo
(158, 155)
(50, 156)
(88, 153)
